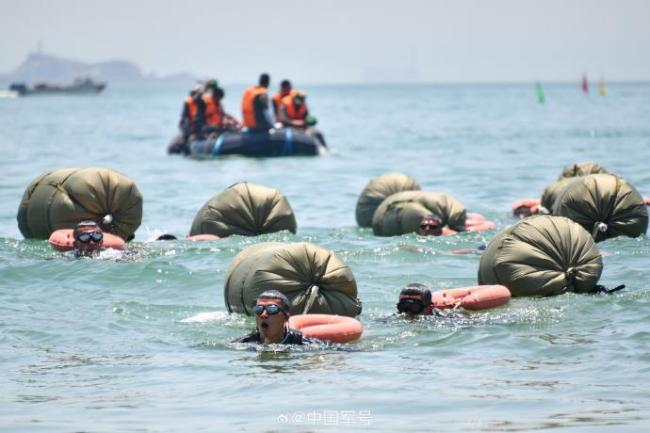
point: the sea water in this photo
(142, 343)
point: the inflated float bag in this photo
(402, 212)
(542, 255)
(552, 192)
(314, 279)
(605, 205)
(60, 199)
(581, 169)
(245, 209)
(377, 190)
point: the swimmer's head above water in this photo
(414, 300)
(523, 211)
(88, 238)
(271, 311)
(431, 225)
(166, 237)
(272, 316)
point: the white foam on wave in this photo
(111, 254)
(208, 316)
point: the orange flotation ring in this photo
(327, 327)
(471, 298)
(203, 237)
(531, 203)
(62, 240)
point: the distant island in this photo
(39, 67)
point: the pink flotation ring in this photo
(62, 240)
(475, 222)
(531, 203)
(204, 237)
(446, 231)
(471, 298)
(647, 201)
(327, 327)
(480, 227)
(473, 216)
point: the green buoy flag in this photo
(540, 93)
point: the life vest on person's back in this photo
(213, 111)
(277, 102)
(192, 107)
(248, 105)
(294, 112)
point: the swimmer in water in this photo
(166, 237)
(523, 211)
(272, 322)
(431, 225)
(88, 239)
(415, 300)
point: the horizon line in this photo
(152, 77)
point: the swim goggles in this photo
(410, 306)
(271, 309)
(86, 237)
(429, 226)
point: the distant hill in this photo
(39, 67)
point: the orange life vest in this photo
(277, 102)
(213, 111)
(194, 109)
(248, 105)
(293, 111)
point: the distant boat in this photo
(602, 87)
(540, 93)
(80, 86)
(585, 84)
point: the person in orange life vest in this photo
(192, 116)
(216, 119)
(285, 90)
(255, 106)
(293, 110)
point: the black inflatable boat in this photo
(276, 142)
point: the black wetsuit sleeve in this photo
(307, 340)
(295, 337)
(253, 337)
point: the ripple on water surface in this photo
(142, 340)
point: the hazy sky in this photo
(342, 41)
